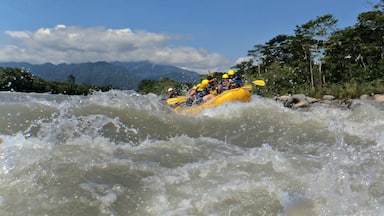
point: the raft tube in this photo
(232, 95)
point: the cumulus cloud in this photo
(73, 44)
(246, 59)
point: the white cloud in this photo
(17, 34)
(246, 59)
(73, 44)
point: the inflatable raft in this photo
(233, 95)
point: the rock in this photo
(283, 98)
(301, 101)
(296, 101)
(346, 104)
(365, 97)
(329, 97)
(379, 98)
(299, 97)
(312, 100)
(300, 104)
(327, 102)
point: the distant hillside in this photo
(123, 75)
(19, 80)
(151, 71)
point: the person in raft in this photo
(172, 93)
(224, 84)
(212, 84)
(199, 93)
(235, 81)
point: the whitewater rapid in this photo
(122, 153)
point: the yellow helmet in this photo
(231, 72)
(205, 82)
(225, 76)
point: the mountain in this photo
(151, 71)
(123, 75)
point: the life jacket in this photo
(212, 86)
(235, 82)
(202, 91)
(223, 85)
(192, 91)
(196, 94)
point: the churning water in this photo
(120, 153)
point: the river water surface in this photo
(120, 153)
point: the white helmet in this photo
(170, 89)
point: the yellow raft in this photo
(232, 95)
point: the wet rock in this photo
(300, 104)
(312, 100)
(283, 98)
(379, 98)
(299, 97)
(365, 97)
(329, 97)
(297, 101)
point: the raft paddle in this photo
(178, 99)
(248, 87)
(259, 82)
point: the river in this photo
(121, 153)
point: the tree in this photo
(15, 79)
(358, 52)
(313, 37)
(71, 79)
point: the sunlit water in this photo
(120, 153)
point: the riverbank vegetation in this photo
(321, 59)
(161, 86)
(18, 80)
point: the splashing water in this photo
(120, 153)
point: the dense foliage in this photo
(14, 79)
(161, 87)
(321, 59)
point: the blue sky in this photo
(192, 34)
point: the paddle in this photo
(256, 82)
(259, 82)
(248, 87)
(178, 99)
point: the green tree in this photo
(71, 79)
(15, 79)
(313, 37)
(358, 52)
(160, 87)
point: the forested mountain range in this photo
(122, 75)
